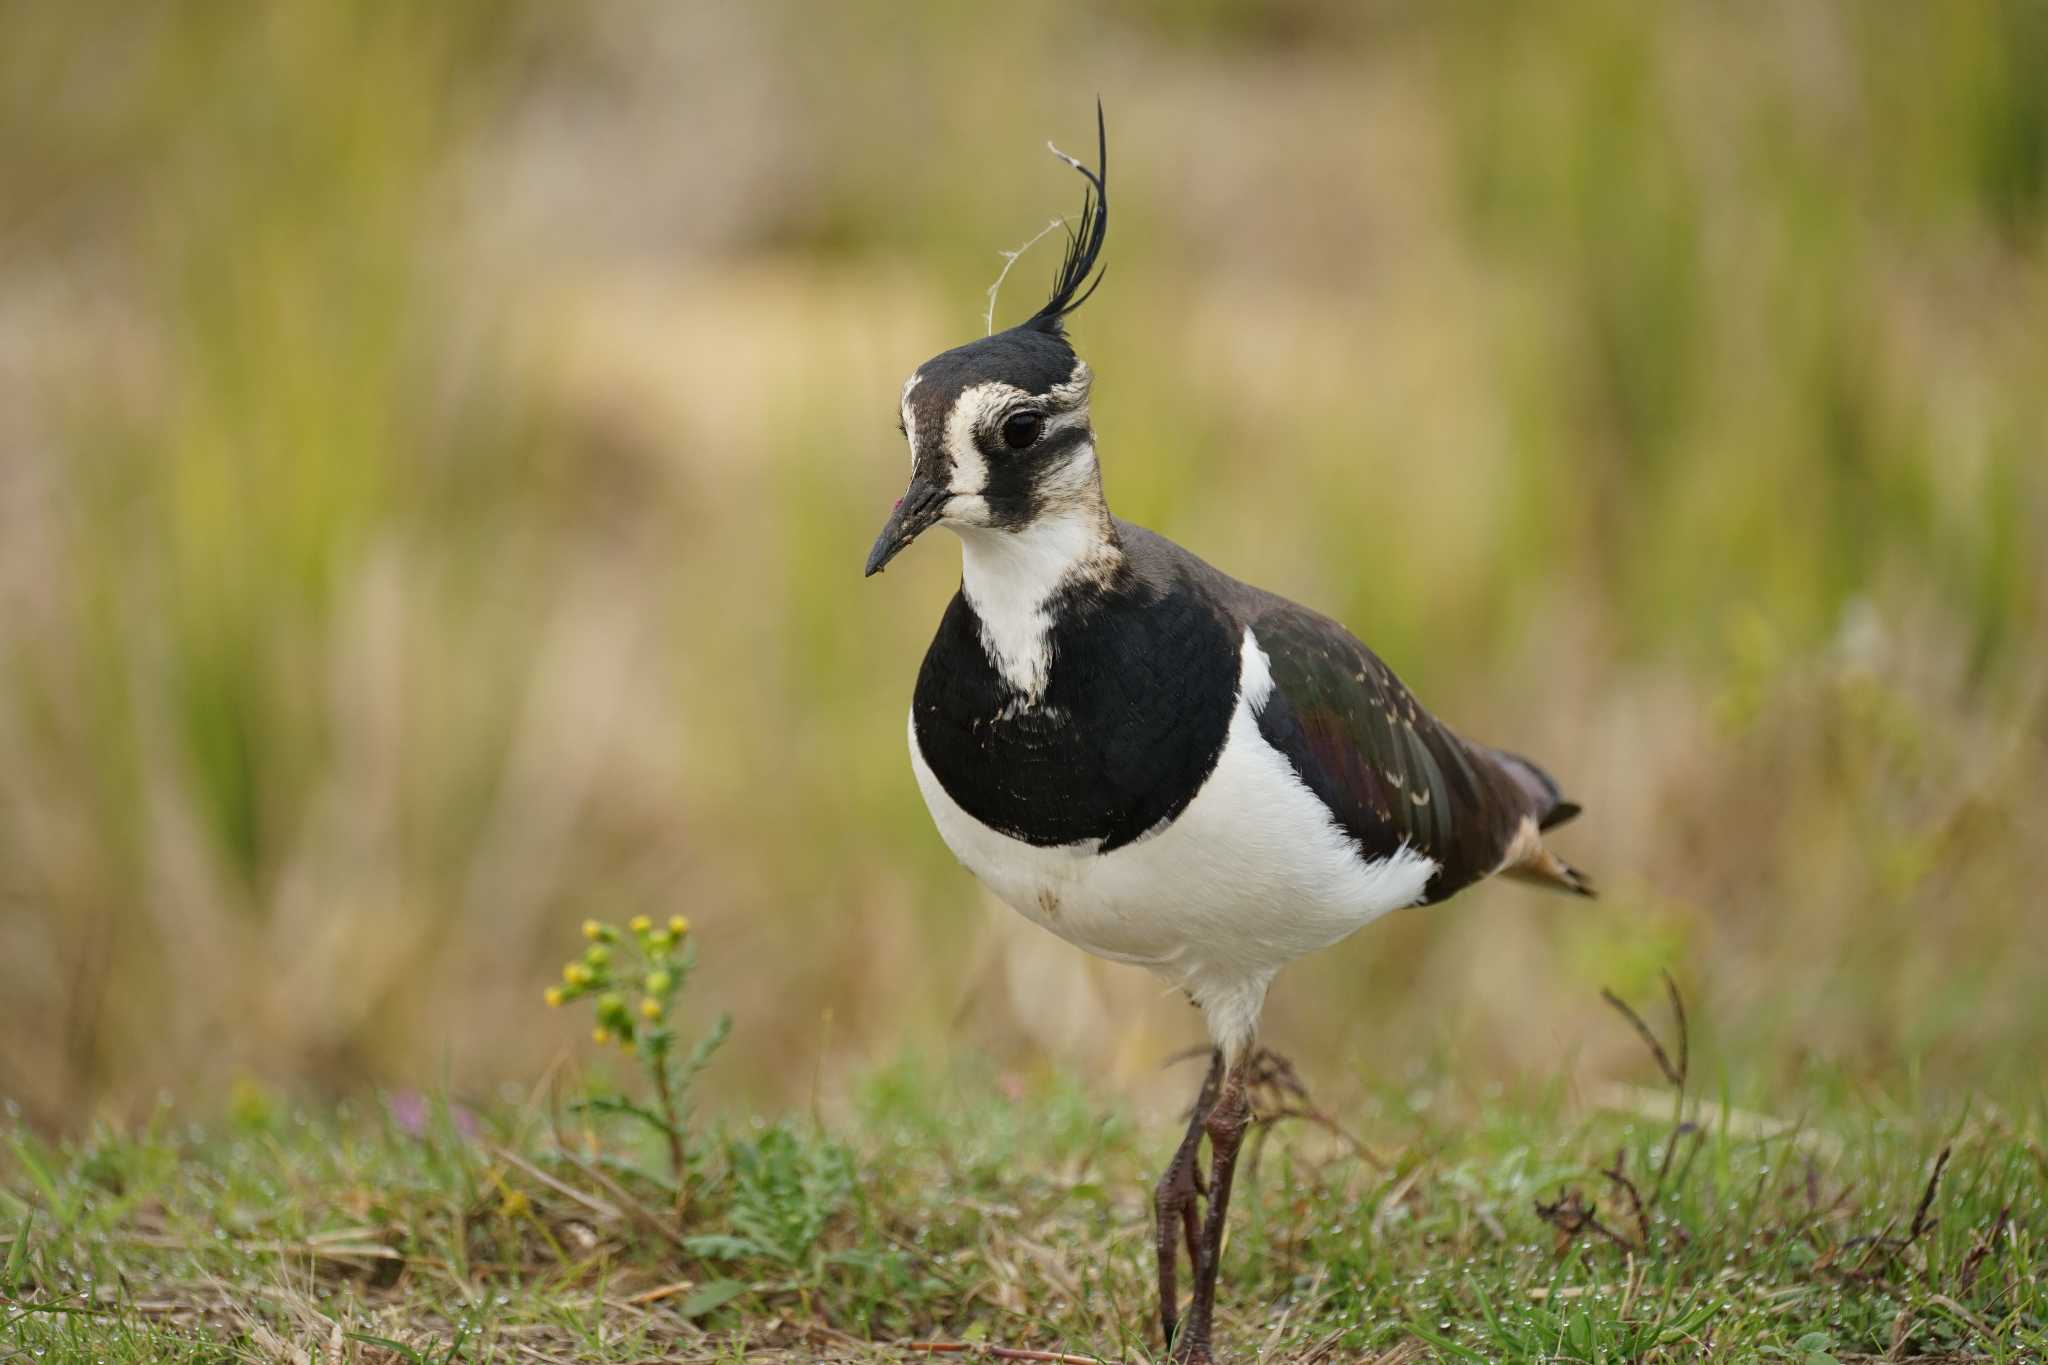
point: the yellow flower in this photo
(640, 924)
(658, 982)
(678, 925)
(598, 955)
(600, 1035)
(658, 940)
(576, 974)
(553, 996)
(592, 929)
(513, 1204)
(650, 1008)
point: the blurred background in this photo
(438, 444)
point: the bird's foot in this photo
(1273, 1082)
(1277, 1093)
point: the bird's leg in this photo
(1176, 1203)
(1225, 1123)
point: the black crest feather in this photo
(1084, 244)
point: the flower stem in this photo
(672, 1126)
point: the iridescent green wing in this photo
(1390, 773)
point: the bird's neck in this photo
(1011, 579)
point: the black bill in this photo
(921, 505)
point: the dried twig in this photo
(1325, 1346)
(1314, 1298)
(1921, 1222)
(625, 1199)
(1572, 1215)
(1895, 1248)
(1671, 1073)
(1677, 1073)
(1871, 1246)
(1684, 1030)
(1615, 1174)
(660, 1292)
(1000, 1352)
(597, 1206)
(1983, 1328)
(1967, 1276)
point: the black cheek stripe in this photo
(1013, 490)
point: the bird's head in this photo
(998, 429)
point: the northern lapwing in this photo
(1158, 763)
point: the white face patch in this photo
(972, 411)
(909, 417)
(1073, 484)
(1070, 399)
(979, 407)
(1074, 392)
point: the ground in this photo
(985, 1210)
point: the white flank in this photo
(1253, 874)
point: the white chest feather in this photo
(1252, 874)
(1011, 577)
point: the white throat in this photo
(1010, 578)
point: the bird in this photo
(1159, 763)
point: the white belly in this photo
(1252, 874)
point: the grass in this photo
(977, 1209)
(431, 435)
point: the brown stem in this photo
(672, 1127)
(1663, 1058)
(1619, 1177)
(1921, 1222)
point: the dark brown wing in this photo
(1390, 773)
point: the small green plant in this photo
(632, 977)
(786, 1188)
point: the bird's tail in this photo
(1552, 809)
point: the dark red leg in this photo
(1176, 1204)
(1225, 1123)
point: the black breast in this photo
(1137, 704)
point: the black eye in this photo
(1020, 429)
